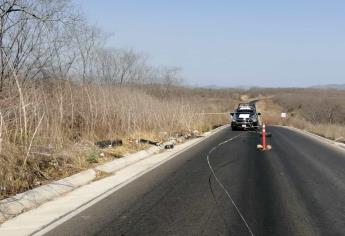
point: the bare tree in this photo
(28, 31)
(88, 39)
(49, 39)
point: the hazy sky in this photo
(232, 43)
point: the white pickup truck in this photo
(245, 117)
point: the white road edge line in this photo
(45, 229)
(222, 186)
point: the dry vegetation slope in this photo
(49, 129)
(321, 111)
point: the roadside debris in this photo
(169, 145)
(166, 142)
(146, 141)
(109, 143)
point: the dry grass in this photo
(319, 111)
(48, 128)
(330, 131)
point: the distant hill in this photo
(330, 86)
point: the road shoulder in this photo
(53, 213)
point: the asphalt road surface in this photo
(297, 188)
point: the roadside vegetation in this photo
(48, 131)
(321, 111)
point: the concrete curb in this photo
(31, 199)
(48, 215)
(118, 164)
(10, 207)
(19, 203)
(318, 137)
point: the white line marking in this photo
(222, 186)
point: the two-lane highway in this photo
(297, 188)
